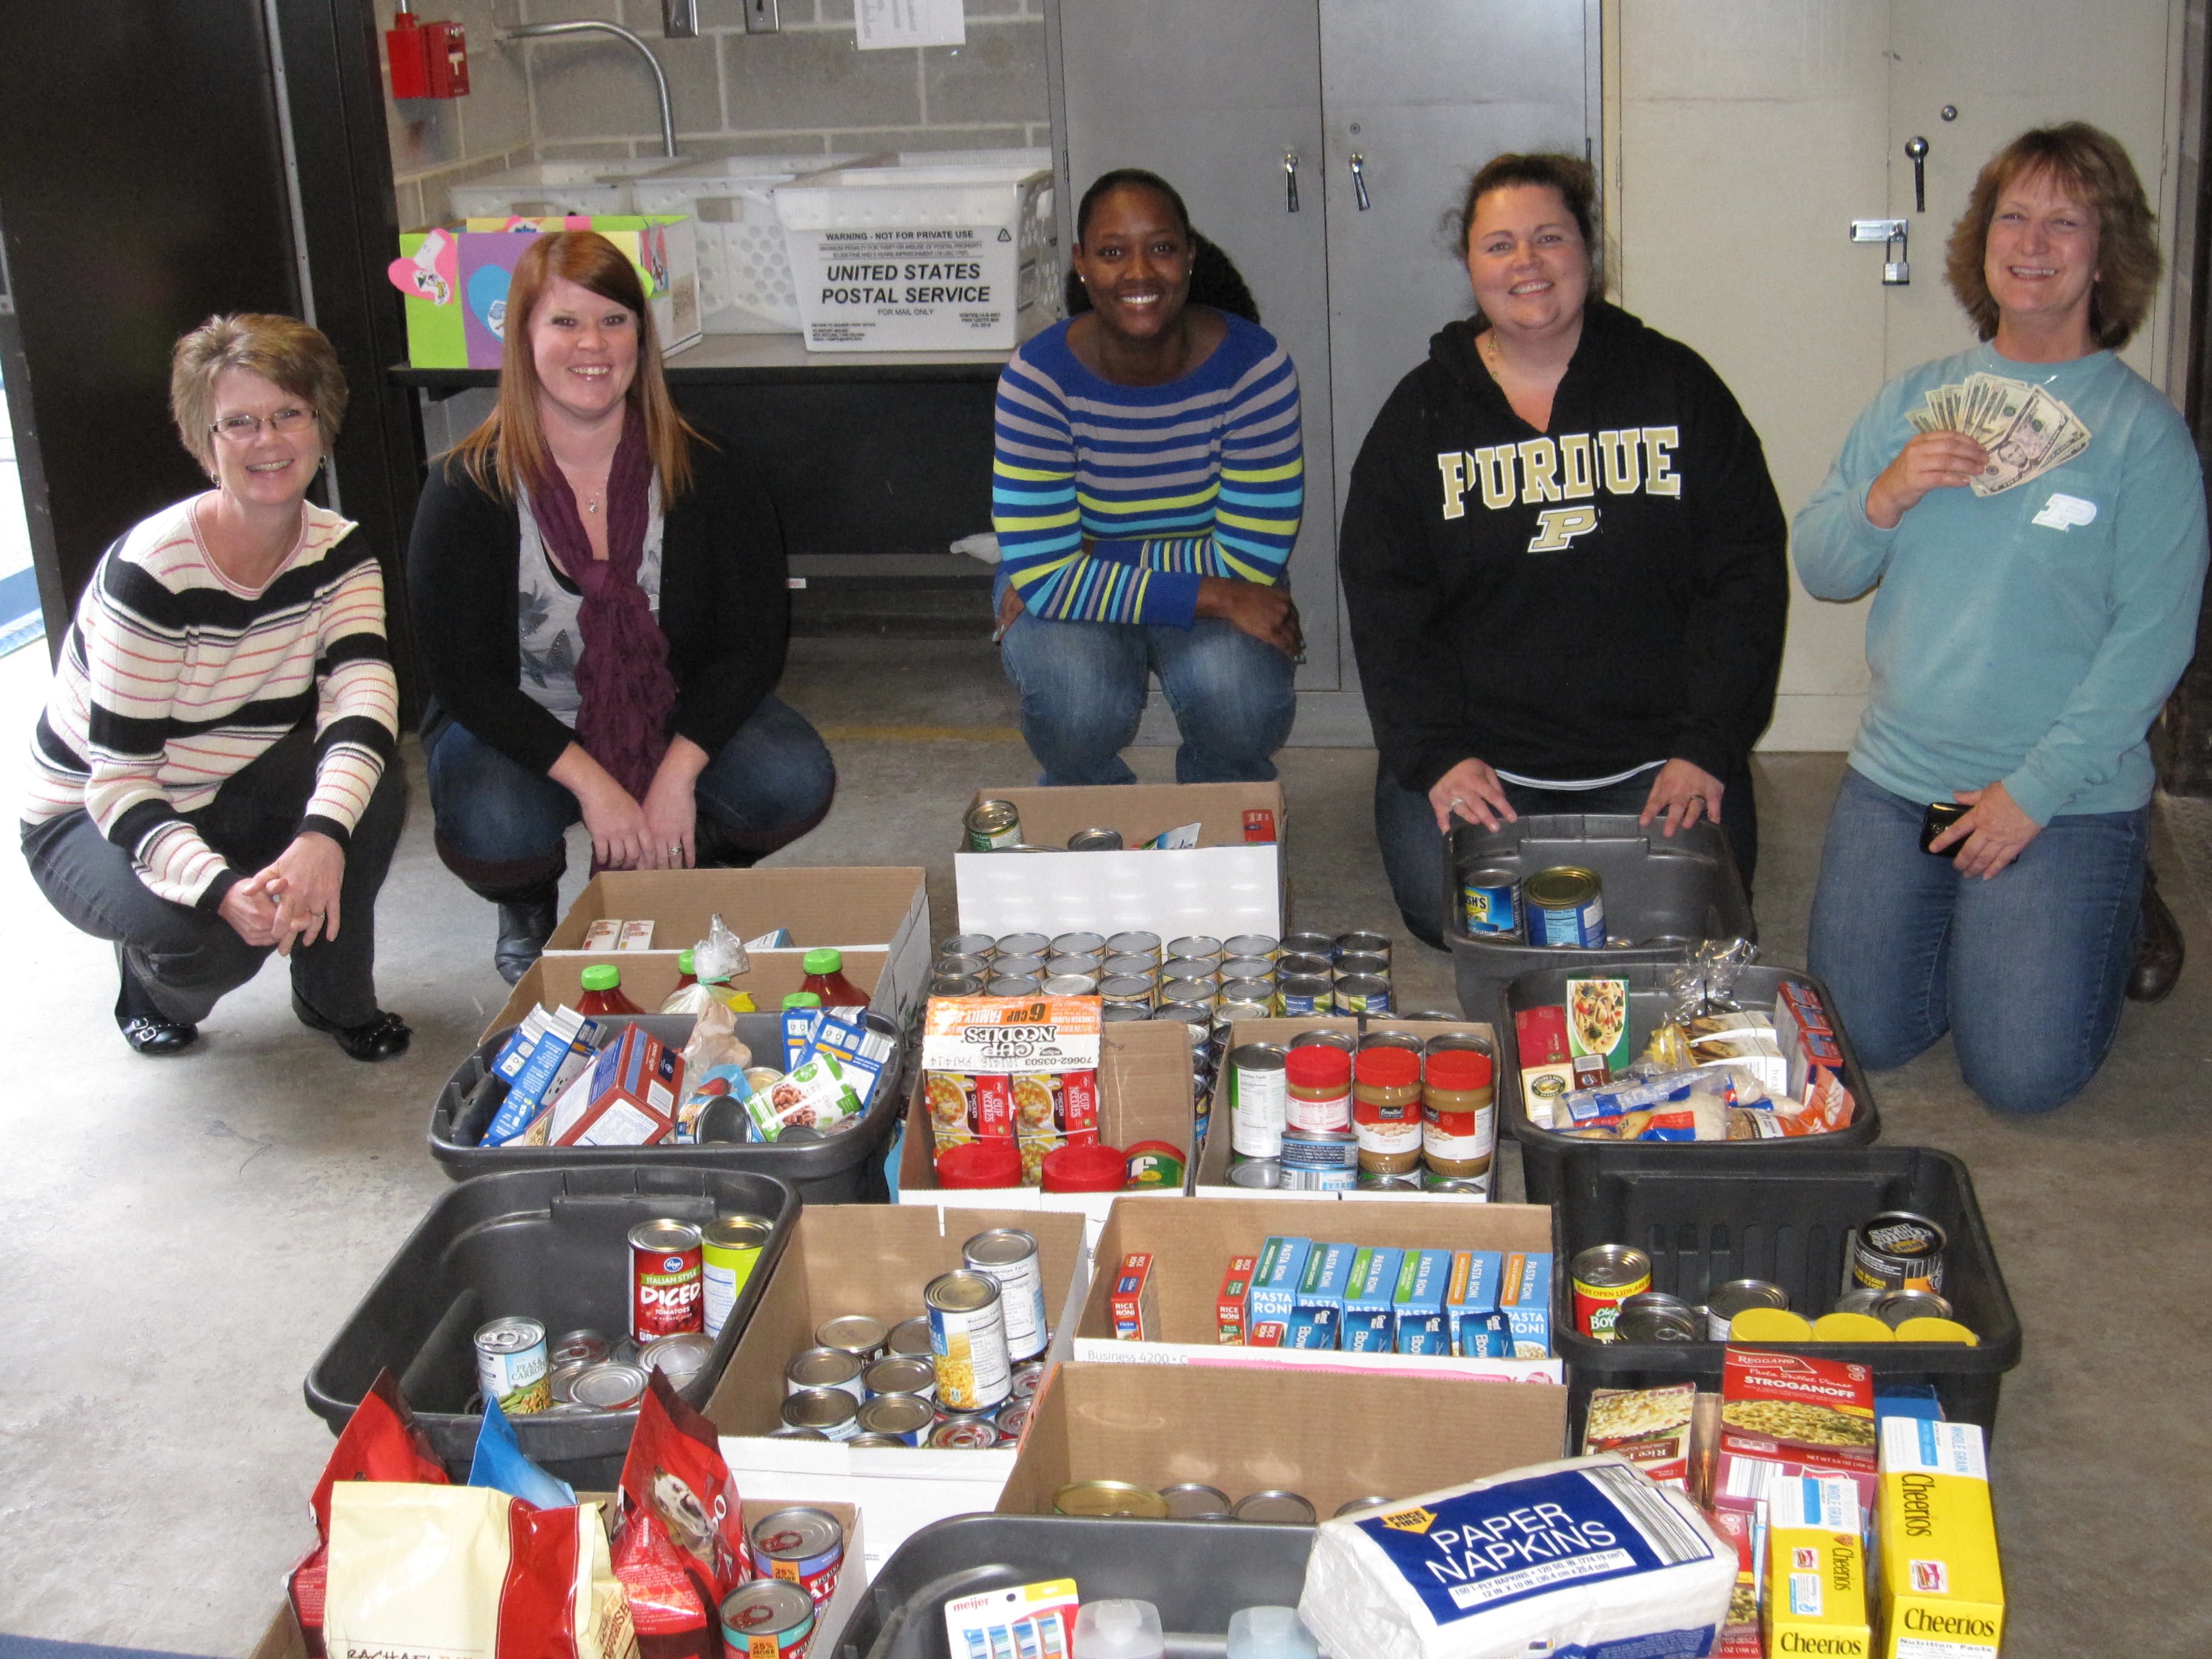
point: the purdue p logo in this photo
(1558, 526)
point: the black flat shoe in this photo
(2159, 952)
(158, 1036)
(525, 925)
(385, 1037)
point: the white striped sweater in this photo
(173, 679)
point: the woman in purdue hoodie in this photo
(1563, 556)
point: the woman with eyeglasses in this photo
(212, 778)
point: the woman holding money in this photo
(2031, 517)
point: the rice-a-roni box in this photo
(1942, 1588)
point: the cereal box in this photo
(1816, 1589)
(1942, 1591)
(1784, 1415)
(1023, 1067)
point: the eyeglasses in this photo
(245, 428)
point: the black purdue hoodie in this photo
(1569, 603)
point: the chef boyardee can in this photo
(992, 825)
(1898, 1250)
(1010, 1255)
(767, 1619)
(801, 1547)
(1490, 901)
(968, 1334)
(1655, 1316)
(510, 1365)
(1565, 905)
(1605, 1276)
(1733, 1298)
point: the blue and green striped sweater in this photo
(1202, 477)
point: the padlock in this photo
(1897, 272)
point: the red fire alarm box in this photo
(428, 60)
(446, 46)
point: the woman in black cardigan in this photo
(599, 597)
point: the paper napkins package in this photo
(1584, 1557)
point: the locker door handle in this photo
(1291, 180)
(1359, 179)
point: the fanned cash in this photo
(2026, 431)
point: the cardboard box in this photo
(873, 1259)
(861, 908)
(1210, 1178)
(1328, 1438)
(283, 1639)
(1144, 1094)
(1192, 1244)
(648, 979)
(1226, 884)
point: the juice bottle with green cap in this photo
(801, 999)
(825, 977)
(603, 991)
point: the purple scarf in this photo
(622, 673)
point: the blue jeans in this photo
(499, 825)
(1414, 851)
(2026, 970)
(1083, 687)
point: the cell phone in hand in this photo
(1941, 816)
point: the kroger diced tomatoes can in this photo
(1565, 905)
(801, 1547)
(511, 1365)
(767, 1619)
(667, 1287)
(1605, 1276)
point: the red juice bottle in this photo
(602, 993)
(825, 977)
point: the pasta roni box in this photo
(1942, 1589)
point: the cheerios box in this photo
(1942, 1588)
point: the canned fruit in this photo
(730, 1249)
(991, 824)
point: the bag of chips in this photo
(680, 1543)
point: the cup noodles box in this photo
(1942, 1589)
(1021, 1067)
(1785, 1415)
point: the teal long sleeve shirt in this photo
(2027, 638)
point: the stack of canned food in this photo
(1564, 905)
(797, 1552)
(1192, 1500)
(959, 1376)
(1387, 1110)
(685, 1281)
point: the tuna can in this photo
(1733, 1298)
(971, 1431)
(968, 1334)
(1125, 990)
(1022, 945)
(908, 1339)
(860, 1336)
(667, 1292)
(767, 1619)
(1860, 1300)
(1901, 1305)
(1076, 961)
(681, 1358)
(608, 1387)
(1009, 1255)
(801, 1547)
(1070, 985)
(826, 1368)
(1350, 963)
(906, 1418)
(952, 985)
(1258, 1093)
(1024, 965)
(963, 966)
(1128, 964)
(900, 1374)
(1274, 1508)
(1259, 1174)
(1110, 1497)
(1382, 1182)
(1079, 945)
(1134, 945)
(1655, 1316)
(1362, 993)
(1305, 964)
(1604, 1277)
(1898, 1250)
(1012, 1418)
(1243, 967)
(1195, 947)
(1313, 944)
(1028, 1377)
(1565, 905)
(968, 944)
(1320, 1151)
(511, 1366)
(1099, 840)
(1250, 944)
(1013, 984)
(1490, 901)
(831, 1412)
(992, 825)
(584, 1347)
(1300, 994)
(1194, 1500)
(729, 1250)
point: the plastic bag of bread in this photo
(715, 1062)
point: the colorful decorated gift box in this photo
(456, 280)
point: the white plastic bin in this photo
(744, 272)
(1033, 159)
(603, 186)
(924, 259)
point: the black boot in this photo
(526, 919)
(143, 1025)
(2159, 951)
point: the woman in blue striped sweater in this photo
(1146, 492)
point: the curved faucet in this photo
(592, 27)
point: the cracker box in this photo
(1785, 1415)
(1136, 1303)
(1367, 1297)
(1229, 1307)
(1816, 1589)
(1942, 1590)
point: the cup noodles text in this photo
(1021, 1067)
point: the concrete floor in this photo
(183, 1236)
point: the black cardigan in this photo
(724, 608)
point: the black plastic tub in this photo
(1709, 1214)
(1659, 894)
(551, 1244)
(842, 1169)
(1756, 987)
(1195, 1572)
